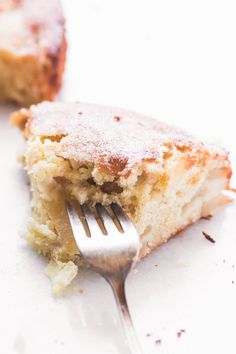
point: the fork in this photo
(109, 243)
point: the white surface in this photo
(174, 60)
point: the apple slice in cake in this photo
(162, 177)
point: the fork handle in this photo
(118, 288)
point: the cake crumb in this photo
(81, 291)
(61, 275)
(208, 217)
(180, 332)
(208, 237)
(117, 118)
(158, 341)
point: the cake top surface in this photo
(111, 138)
(30, 27)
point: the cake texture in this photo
(32, 50)
(162, 177)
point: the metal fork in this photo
(108, 241)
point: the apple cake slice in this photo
(162, 177)
(32, 50)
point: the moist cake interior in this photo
(160, 200)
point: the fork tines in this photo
(88, 214)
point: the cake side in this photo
(32, 50)
(163, 179)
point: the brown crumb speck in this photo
(80, 113)
(180, 332)
(81, 291)
(148, 335)
(158, 341)
(208, 217)
(208, 237)
(232, 282)
(117, 118)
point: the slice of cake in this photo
(32, 50)
(163, 178)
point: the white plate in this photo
(175, 62)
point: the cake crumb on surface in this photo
(208, 217)
(208, 237)
(61, 275)
(117, 118)
(158, 341)
(180, 332)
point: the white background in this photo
(175, 60)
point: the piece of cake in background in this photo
(32, 50)
(163, 178)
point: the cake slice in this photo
(32, 50)
(163, 178)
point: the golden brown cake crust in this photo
(112, 139)
(34, 31)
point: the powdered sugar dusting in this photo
(90, 132)
(33, 26)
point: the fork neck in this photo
(118, 287)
